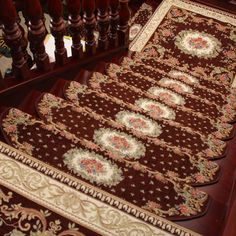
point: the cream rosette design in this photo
(188, 79)
(119, 143)
(178, 86)
(93, 167)
(167, 95)
(156, 109)
(198, 44)
(139, 123)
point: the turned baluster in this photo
(58, 30)
(88, 7)
(114, 20)
(13, 36)
(24, 45)
(75, 25)
(103, 23)
(37, 33)
(123, 26)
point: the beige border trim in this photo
(148, 30)
(20, 181)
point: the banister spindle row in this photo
(110, 16)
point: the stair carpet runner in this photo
(143, 132)
(102, 136)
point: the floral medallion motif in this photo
(198, 44)
(178, 86)
(183, 77)
(120, 143)
(93, 167)
(156, 109)
(134, 30)
(139, 122)
(167, 95)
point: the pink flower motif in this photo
(176, 13)
(198, 43)
(230, 54)
(120, 142)
(184, 209)
(137, 166)
(92, 166)
(153, 205)
(167, 33)
(156, 110)
(137, 123)
(10, 129)
(166, 96)
(200, 178)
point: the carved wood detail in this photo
(37, 33)
(75, 26)
(88, 7)
(58, 30)
(123, 26)
(103, 23)
(114, 20)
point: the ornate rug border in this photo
(7, 152)
(145, 34)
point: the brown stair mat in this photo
(222, 95)
(92, 167)
(156, 110)
(147, 150)
(141, 76)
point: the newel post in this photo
(89, 24)
(103, 23)
(13, 38)
(114, 20)
(58, 30)
(123, 26)
(37, 33)
(75, 25)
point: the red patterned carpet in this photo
(125, 149)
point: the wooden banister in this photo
(75, 26)
(103, 23)
(58, 30)
(123, 26)
(114, 19)
(13, 37)
(37, 33)
(88, 7)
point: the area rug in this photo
(198, 37)
(109, 174)
(37, 199)
(130, 144)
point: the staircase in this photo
(218, 218)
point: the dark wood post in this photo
(13, 36)
(37, 33)
(123, 26)
(89, 24)
(58, 30)
(114, 20)
(75, 25)
(103, 23)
